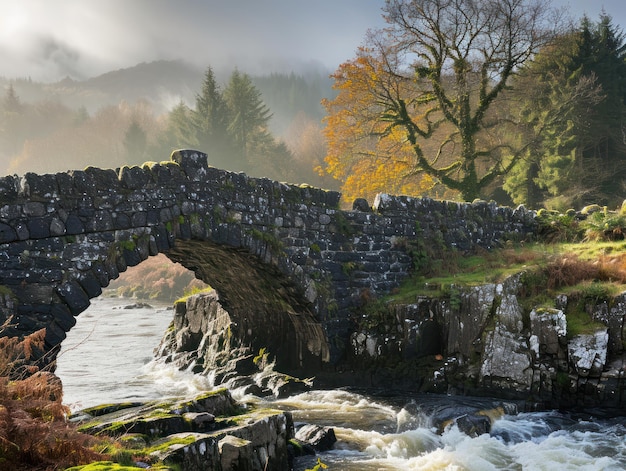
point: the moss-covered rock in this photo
(208, 432)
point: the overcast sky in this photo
(48, 40)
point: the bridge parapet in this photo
(262, 244)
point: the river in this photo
(107, 357)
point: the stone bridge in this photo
(291, 265)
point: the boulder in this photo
(473, 425)
(318, 437)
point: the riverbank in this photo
(388, 431)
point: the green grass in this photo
(580, 323)
(594, 250)
(587, 272)
(163, 445)
(455, 269)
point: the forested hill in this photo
(131, 115)
(165, 83)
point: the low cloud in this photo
(48, 40)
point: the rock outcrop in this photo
(206, 339)
(481, 341)
(477, 341)
(208, 433)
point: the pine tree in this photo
(12, 122)
(553, 105)
(572, 102)
(249, 118)
(211, 119)
(11, 102)
(603, 55)
(81, 116)
(180, 132)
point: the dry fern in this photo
(34, 433)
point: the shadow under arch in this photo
(268, 311)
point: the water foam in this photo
(172, 382)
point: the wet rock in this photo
(299, 448)
(474, 425)
(283, 385)
(187, 435)
(138, 305)
(318, 437)
(256, 390)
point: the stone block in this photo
(192, 162)
(90, 284)
(133, 177)
(39, 228)
(55, 334)
(102, 179)
(63, 317)
(7, 233)
(8, 188)
(74, 296)
(74, 225)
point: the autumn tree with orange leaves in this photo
(415, 108)
(363, 152)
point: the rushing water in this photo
(107, 358)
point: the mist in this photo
(48, 41)
(84, 71)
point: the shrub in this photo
(556, 227)
(605, 226)
(569, 271)
(34, 433)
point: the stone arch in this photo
(67, 235)
(269, 308)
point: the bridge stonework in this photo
(292, 265)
